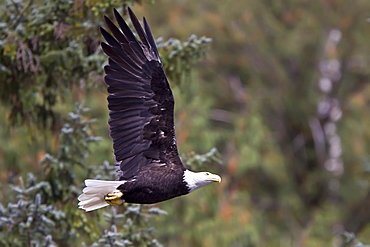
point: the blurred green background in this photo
(282, 93)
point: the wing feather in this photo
(121, 62)
(138, 28)
(133, 42)
(115, 31)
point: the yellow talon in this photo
(114, 198)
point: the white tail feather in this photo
(94, 193)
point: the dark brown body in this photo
(154, 186)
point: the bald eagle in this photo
(141, 123)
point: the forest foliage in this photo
(272, 95)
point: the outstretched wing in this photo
(141, 103)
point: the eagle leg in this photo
(114, 198)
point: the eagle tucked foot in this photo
(114, 198)
(99, 194)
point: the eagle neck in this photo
(193, 180)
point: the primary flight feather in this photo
(141, 123)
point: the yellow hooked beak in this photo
(214, 178)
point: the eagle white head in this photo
(196, 180)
